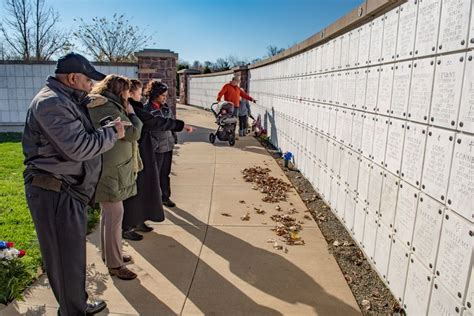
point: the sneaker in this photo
(122, 273)
(143, 228)
(131, 235)
(169, 203)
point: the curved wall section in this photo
(380, 119)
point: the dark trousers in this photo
(243, 122)
(163, 161)
(60, 222)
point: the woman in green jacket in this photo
(109, 99)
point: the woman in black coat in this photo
(147, 204)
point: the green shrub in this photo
(14, 278)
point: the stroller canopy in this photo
(217, 107)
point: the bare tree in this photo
(112, 40)
(30, 30)
(16, 27)
(48, 39)
(273, 50)
(221, 64)
(235, 61)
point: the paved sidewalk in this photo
(201, 262)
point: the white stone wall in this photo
(19, 83)
(202, 91)
(381, 121)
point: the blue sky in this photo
(209, 29)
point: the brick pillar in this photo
(243, 73)
(183, 83)
(159, 64)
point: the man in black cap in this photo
(63, 162)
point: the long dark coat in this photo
(147, 204)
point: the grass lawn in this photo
(16, 224)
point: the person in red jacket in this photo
(232, 93)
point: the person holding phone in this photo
(121, 164)
(62, 151)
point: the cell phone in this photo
(105, 120)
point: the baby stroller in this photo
(226, 122)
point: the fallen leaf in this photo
(246, 217)
(226, 214)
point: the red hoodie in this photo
(232, 94)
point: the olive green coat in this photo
(119, 167)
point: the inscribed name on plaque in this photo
(370, 234)
(341, 94)
(439, 150)
(330, 156)
(354, 47)
(429, 217)
(421, 89)
(426, 40)
(332, 121)
(341, 199)
(418, 287)
(376, 40)
(367, 135)
(466, 111)
(406, 29)
(454, 25)
(363, 180)
(359, 222)
(361, 85)
(383, 243)
(461, 184)
(455, 254)
(442, 302)
(373, 74)
(347, 128)
(364, 46)
(345, 50)
(401, 88)
(344, 162)
(351, 79)
(357, 129)
(388, 200)
(375, 185)
(406, 212)
(339, 123)
(413, 153)
(380, 139)
(390, 35)
(393, 155)
(447, 90)
(349, 211)
(353, 172)
(336, 79)
(397, 268)
(337, 53)
(385, 89)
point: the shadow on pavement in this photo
(269, 272)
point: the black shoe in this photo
(169, 203)
(131, 235)
(143, 228)
(95, 308)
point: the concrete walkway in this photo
(201, 262)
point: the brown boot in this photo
(122, 273)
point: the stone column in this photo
(183, 83)
(159, 64)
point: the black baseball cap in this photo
(75, 63)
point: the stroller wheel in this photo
(232, 140)
(212, 138)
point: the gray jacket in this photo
(244, 108)
(59, 139)
(163, 141)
